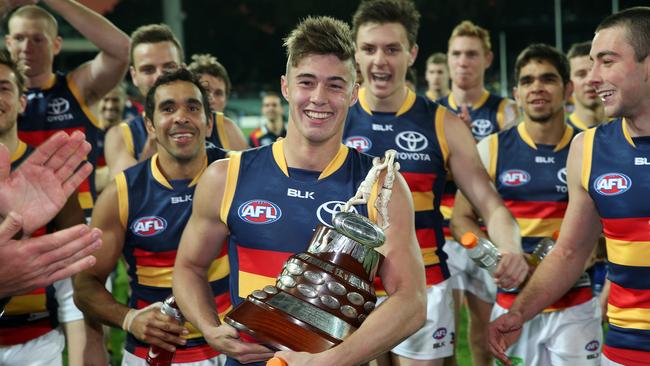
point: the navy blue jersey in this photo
(271, 221)
(615, 172)
(154, 211)
(416, 133)
(487, 114)
(55, 107)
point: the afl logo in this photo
(440, 333)
(612, 184)
(481, 128)
(561, 175)
(327, 210)
(149, 226)
(592, 346)
(360, 143)
(259, 212)
(411, 141)
(514, 177)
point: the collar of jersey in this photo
(626, 133)
(564, 141)
(406, 105)
(20, 151)
(475, 106)
(160, 178)
(573, 117)
(333, 166)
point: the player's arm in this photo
(97, 77)
(92, 297)
(473, 180)
(464, 218)
(565, 263)
(235, 135)
(402, 274)
(118, 157)
(201, 242)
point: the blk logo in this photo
(149, 226)
(327, 210)
(514, 177)
(481, 128)
(360, 143)
(612, 184)
(411, 141)
(58, 106)
(259, 212)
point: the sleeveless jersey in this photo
(271, 221)
(134, 133)
(154, 212)
(60, 106)
(33, 314)
(416, 133)
(532, 181)
(615, 173)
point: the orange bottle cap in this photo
(469, 240)
(276, 361)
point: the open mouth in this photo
(380, 76)
(317, 115)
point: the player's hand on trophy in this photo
(511, 271)
(502, 333)
(155, 328)
(225, 339)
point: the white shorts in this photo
(571, 337)
(129, 359)
(45, 350)
(436, 338)
(466, 275)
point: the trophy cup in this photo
(322, 295)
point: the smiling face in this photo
(179, 121)
(320, 89)
(384, 56)
(540, 91)
(620, 80)
(12, 102)
(150, 60)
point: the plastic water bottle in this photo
(542, 249)
(482, 251)
(159, 356)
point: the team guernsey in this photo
(416, 133)
(615, 173)
(269, 222)
(487, 117)
(531, 179)
(33, 314)
(263, 136)
(134, 134)
(60, 106)
(154, 211)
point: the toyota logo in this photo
(481, 127)
(58, 106)
(327, 210)
(561, 175)
(411, 141)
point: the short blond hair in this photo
(468, 29)
(36, 12)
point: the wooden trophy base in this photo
(277, 329)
